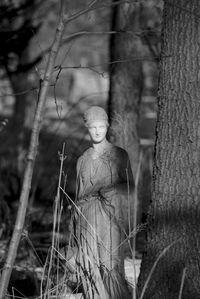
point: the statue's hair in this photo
(95, 113)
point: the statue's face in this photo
(97, 131)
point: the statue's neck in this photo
(100, 147)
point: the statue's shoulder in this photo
(82, 159)
(84, 155)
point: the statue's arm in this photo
(126, 182)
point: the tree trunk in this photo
(175, 211)
(126, 80)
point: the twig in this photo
(137, 58)
(57, 200)
(182, 283)
(87, 33)
(92, 33)
(135, 207)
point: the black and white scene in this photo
(99, 149)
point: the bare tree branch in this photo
(91, 7)
(80, 34)
(149, 58)
(89, 67)
(87, 33)
(91, 33)
(19, 224)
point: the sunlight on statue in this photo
(104, 181)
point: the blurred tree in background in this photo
(19, 23)
(135, 45)
(136, 41)
(126, 78)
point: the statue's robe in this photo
(100, 222)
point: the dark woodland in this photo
(139, 60)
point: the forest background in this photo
(92, 54)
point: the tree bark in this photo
(126, 80)
(18, 229)
(175, 211)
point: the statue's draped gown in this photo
(100, 222)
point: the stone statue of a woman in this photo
(104, 179)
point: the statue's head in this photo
(96, 121)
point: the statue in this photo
(104, 179)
